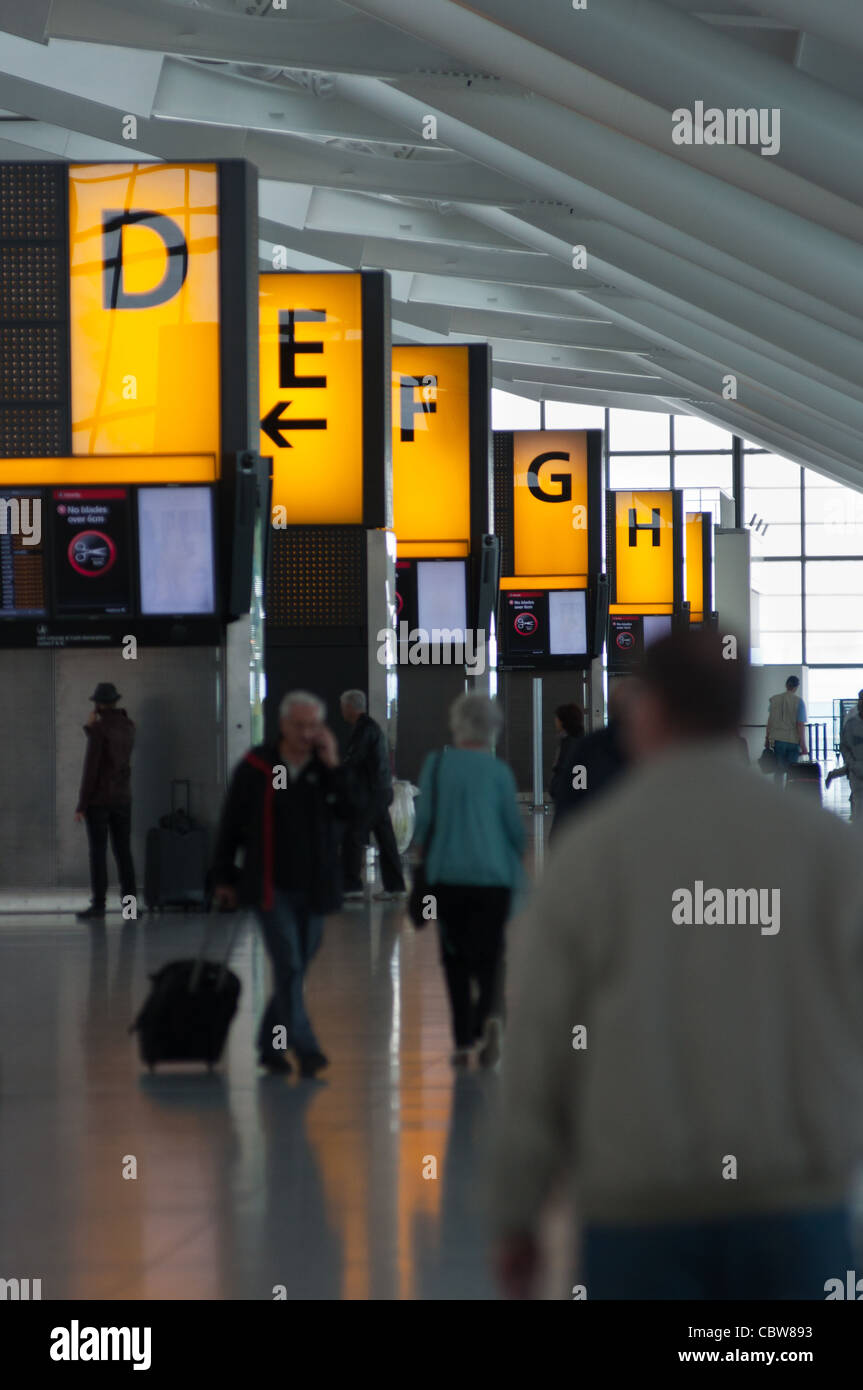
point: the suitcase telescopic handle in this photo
(199, 963)
(186, 798)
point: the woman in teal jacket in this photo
(469, 827)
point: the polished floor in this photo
(244, 1183)
(365, 1185)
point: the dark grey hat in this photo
(105, 694)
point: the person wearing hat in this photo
(105, 799)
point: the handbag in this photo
(768, 762)
(420, 889)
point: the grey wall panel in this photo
(558, 688)
(425, 695)
(171, 694)
(325, 671)
(27, 781)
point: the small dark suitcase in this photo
(187, 1014)
(175, 868)
(807, 776)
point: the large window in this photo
(804, 524)
(509, 412)
(834, 517)
(776, 613)
(638, 471)
(834, 611)
(772, 504)
(703, 470)
(632, 431)
(564, 415)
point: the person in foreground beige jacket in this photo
(686, 1037)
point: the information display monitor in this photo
(432, 595)
(442, 597)
(22, 555)
(544, 628)
(175, 551)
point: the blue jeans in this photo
(786, 754)
(292, 935)
(784, 1255)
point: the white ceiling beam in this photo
(700, 333)
(841, 21)
(216, 96)
(674, 59)
(564, 80)
(354, 45)
(124, 81)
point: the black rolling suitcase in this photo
(806, 776)
(187, 1014)
(175, 868)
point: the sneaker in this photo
(461, 1057)
(91, 914)
(276, 1063)
(390, 896)
(354, 894)
(311, 1063)
(489, 1053)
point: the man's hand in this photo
(518, 1264)
(94, 719)
(326, 747)
(79, 815)
(225, 897)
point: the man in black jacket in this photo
(283, 810)
(367, 757)
(105, 798)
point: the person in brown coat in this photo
(105, 798)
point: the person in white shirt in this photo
(786, 727)
(686, 1036)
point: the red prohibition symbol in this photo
(91, 553)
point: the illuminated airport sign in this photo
(118, 321)
(144, 302)
(322, 395)
(129, 291)
(645, 552)
(699, 564)
(549, 509)
(431, 432)
(550, 502)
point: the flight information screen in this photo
(22, 555)
(175, 551)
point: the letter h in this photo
(654, 525)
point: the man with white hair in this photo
(283, 810)
(367, 757)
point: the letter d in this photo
(114, 293)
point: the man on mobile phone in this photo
(285, 809)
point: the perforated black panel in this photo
(317, 577)
(34, 330)
(31, 359)
(503, 500)
(32, 433)
(32, 202)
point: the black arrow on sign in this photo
(274, 425)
